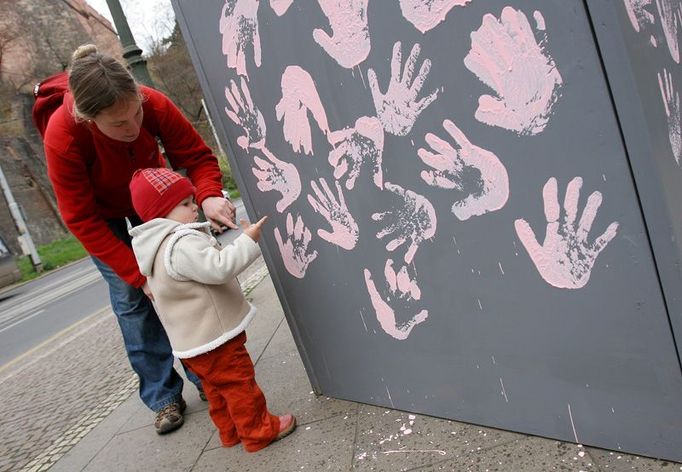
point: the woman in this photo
(106, 128)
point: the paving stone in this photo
(527, 454)
(325, 445)
(47, 396)
(395, 440)
(143, 449)
(610, 461)
(287, 390)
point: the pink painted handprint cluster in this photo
(477, 176)
(413, 219)
(639, 14)
(671, 102)
(670, 12)
(427, 14)
(506, 57)
(400, 294)
(299, 96)
(242, 111)
(398, 108)
(353, 147)
(275, 174)
(566, 256)
(239, 28)
(294, 248)
(349, 43)
(344, 230)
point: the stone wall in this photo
(24, 167)
(37, 38)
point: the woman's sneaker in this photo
(169, 418)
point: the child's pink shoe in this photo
(287, 424)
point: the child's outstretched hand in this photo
(253, 230)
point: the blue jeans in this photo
(146, 342)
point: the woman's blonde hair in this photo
(98, 81)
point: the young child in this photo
(201, 305)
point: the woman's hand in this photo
(219, 212)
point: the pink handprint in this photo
(426, 14)
(671, 101)
(505, 56)
(349, 44)
(399, 108)
(299, 96)
(244, 113)
(670, 12)
(478, 177)
(294, 250)
(274, 174)
(402, 291)
(345, 230)
(239, 28)
(353, 146)
(280, 6)
(565, 258)
(414, 220)
(638, 13)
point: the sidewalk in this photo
(333, 435)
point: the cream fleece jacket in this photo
(193, 280)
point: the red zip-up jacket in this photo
(90, 173)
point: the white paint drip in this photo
(504, 392)
(570, 415)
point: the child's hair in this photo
(98, 81)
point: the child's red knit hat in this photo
(156, 191)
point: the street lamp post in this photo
(131, 51)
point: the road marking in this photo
(38, 301)
(52, 339)
(22, 320)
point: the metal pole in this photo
(215, 134)
(131, 51)
(25, 240)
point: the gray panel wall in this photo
(507, 341)
(634, 61)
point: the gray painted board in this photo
(505, 342)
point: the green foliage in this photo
(53, 255)
(229, 183)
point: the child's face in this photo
(185, 212)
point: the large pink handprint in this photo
(353, 146)
(280, 6)
(239, 28)
(299, 96)
(402, 293)
(349, 44)
(565, 258)
(670, 12)
(671, 101)
(274, 174)
(294, 250)
(345, 230)
(506, 57)
(414, 220)
(427, 14)
(478, 177)
(399, 108)
(244, 113)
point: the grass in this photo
(228, 180)
(53, 255)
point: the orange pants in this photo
(235, 402)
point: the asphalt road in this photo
(35, 312)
